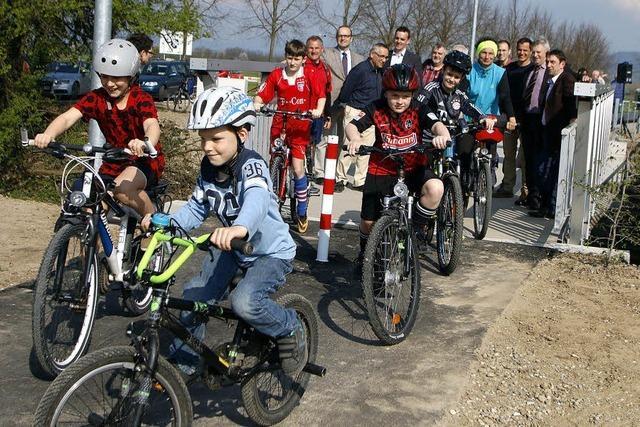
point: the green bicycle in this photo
(135, 385)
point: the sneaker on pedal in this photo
(293, 350)
(303, 224)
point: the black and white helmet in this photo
(222, 106)
(117, 58)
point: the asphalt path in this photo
(413, 383)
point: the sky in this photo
(618, 19)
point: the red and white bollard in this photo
(329, 184)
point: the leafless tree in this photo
(380, 18)
(272, 17)
(348, 15)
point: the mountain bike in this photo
(73, 271)
(181, 100)
(390, 268)
(280, 168)
(449, 224)
(134, 385)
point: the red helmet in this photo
(400, 77)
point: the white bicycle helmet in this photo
(117, 58)
(222, 106)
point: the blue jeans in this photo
(250, 300)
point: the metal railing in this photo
(259, 138)
(564, 190)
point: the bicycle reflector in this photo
(278, 143)
(401, 190)
(160, 220)
(77, 198)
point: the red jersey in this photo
(398, 132)
(294, 94)
(121, 126)
(319, 72)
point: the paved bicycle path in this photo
(413, 383)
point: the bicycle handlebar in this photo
(420, 148)
(266, 111)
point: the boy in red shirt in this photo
(295, 92)
(126, 115)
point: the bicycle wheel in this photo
(291, 192)
(100, 388)
(275, 170)
(450, 225)
(181, 102)
(64, 304)
(391, 295)
(269, 395)
(482, 199)
(137, 298)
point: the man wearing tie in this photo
(559, 111)
(340, 60)
(400, 54)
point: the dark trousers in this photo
(532, 143)
(548, 164)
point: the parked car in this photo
(162, 79)
(67, 79)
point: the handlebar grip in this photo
(24, 138)
(242, 246)
(152, 150)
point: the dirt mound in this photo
(566, 351)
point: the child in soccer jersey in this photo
(234, 184)
(294, 90)
(398, 121)
(126, 115)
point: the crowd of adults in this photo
(534, 92)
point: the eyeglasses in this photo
(381, 56)
(345, 36)
(151, 52)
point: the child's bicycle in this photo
(280, 162)
(390, 268)
(73, 271)
(449, 224)
(181, 100)
(135, 385)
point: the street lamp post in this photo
(101, 33)
(475, 22)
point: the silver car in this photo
(67, 79)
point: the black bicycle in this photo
(135, 385)
(390, 269)
(74, 271)
(181, 100)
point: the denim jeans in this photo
(250, 300)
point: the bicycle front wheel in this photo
(100, 390)
(482, 199)
(275, 170)
(269, 395)
(181, 102)
(391, 294)
(137, 298)
(65, 300)
(450, 225)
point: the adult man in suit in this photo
(340, 60)
(558, 112)
(400, 54)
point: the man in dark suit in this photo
(400, 54)
(558, 112)
(340, 60)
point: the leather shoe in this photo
(501, 193)
(319, 181)
(357, 187)
(339, 187)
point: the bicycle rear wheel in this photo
(65, 300)
(450, 225)
(100, 390)
(269, 395)
(482, 200)
(391, 294)
(181, 102)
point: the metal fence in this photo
(259, 137)
(565, 180)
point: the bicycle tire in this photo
(450, 225)
(114, 370)
(181, 102)
(55, 352)
(256, 401)
(275, 170)
(137, 298)
(384, 263)
(291, 192)
(482, 201)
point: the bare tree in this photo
(348, 15)
(421, 22)
(271, 17)
(380, 19)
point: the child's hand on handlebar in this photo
(222, 236)
(42, 140)
(315, 113)
(137, 147)
(145, 222)
(440, 142)
(489, 123)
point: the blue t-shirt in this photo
(248, 201)
(483, 87)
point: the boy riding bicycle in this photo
(399, 121)
(294, 90)
(234, 184)
(126, 116)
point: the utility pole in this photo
(473, 30)
(101, 33)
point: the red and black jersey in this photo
(294, 93)
(395, 131)
(121, 126)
